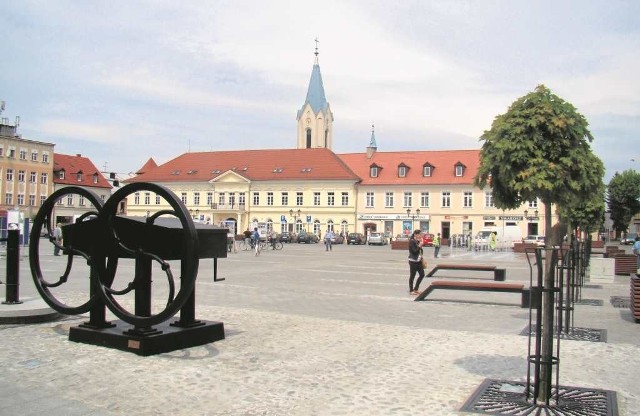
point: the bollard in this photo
(13, 268)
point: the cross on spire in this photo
(316, 52)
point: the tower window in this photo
(308, 138)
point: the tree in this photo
(540, 148)
(585, 214)
(624, 198)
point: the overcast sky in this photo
(122, 81)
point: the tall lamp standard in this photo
(413, 216)
(295, 215)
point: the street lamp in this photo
(295, 215)
(413, 216)
(529, 219)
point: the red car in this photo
(427, 239)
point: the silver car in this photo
(378, 238)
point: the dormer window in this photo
(79, 176)
(61, 174)
(95, 178)
(459, 169)
(427, 170)
(402, 170)
(374, 171)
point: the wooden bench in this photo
(479, 286)
(498, 274)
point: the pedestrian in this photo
(636, 251)
(327, 239)
(256, 240)
(436, 245)
(493, 241)
(415, 262)
(57, 238)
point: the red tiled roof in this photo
(151, 164)
(255, 165)
(442, 171)
(72, 165)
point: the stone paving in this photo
(310, 332)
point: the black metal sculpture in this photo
(102, 237)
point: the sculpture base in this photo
(164, 338)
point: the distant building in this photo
(26, 168)
(81, 172)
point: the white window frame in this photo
(388, 199)
(446, 199)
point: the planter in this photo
(400, 245)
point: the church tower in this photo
(315, 119)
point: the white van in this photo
(506, 236)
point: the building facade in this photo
(26, 169)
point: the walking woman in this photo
(415, 261)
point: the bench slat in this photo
(478, 286)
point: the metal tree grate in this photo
(500, 397)
(622, 302)
(575, 334)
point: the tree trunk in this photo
(548, 304)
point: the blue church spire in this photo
(372, 143)
(315, 93)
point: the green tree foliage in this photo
(541, 149)
(585, 214)
(624, 198)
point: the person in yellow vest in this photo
(436, 245)
(493, 241)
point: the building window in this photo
(221, 198)
(42, 199)
(70, 200)
(183, 197)
(9, 175)
(232, 199)
(81, 200)
(533, 204)
(61, 175)
(95, 178)
(147, 198)
(316, 198)
(23, 154)
(369, 203)
(407, 200)
(241, 199)
(158, 199)
(34, 155)
(467, 199)
(285, 198)
(1, 151)
(45, 157)
(269, 198)
(20, 199)
(426, 170)
(345, 199)
(388, 199)
(8, 198)
(256, 198)
(402, 171)
(299, 199)
(488, 200)
(196, 198)
(12, 152)
(424, 199)
(21, 175)
(79, 176)
(373, 171)
(344, 228)
(44, 178)
(446, 199)
(32, 200)
(136, 198)
(459, 169)
(33, 177)
(209, 198)
(331, 199)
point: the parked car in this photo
(534, 239)
(285, 237)
(377, 238)
(307, 238)
(427, 240)
(355, 238)
(337, 239)
(629, 239)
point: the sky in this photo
(120, 81)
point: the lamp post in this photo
(413, 216)
(295, 215)
(529, 219)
